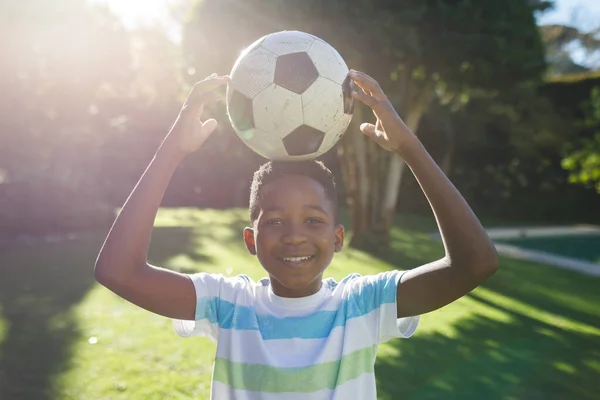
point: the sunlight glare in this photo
(134, 13)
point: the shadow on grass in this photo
(168, 242)
(39, 285)
(520, 359)
(409, 249)
(551, 289)
(516, 357)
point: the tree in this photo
(560, 40)
(61, 62)
(419, 51)
(84, 101)
(583, 162)
(463, 49)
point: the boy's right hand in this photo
(189, 131)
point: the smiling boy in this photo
(295, 335)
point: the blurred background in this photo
(504, 94)
(508, 106)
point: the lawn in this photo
(531, 332)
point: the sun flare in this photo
(137, 12)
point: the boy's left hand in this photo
(389, 131)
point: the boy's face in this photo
(295, 235)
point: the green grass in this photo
(584, 247)
(531, 332)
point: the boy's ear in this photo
(249, 240)
(339, 238)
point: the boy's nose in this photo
(293, 235)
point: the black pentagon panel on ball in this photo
(295, 72)
(347, 89)
(240, 111)
(303, 140)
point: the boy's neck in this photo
(282, 291)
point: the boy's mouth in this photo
(297, 261)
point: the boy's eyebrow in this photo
(309, 206)
(316, 207)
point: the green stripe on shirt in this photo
(265, 378)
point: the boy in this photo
(295, 335)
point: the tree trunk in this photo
(373, 176)
(447, 160)
(356, 172)
(387, 207)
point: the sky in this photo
(584, 14)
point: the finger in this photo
(364, 98)
(353, 78)
(367, 129)
(365, 82)
(201, 132)
(211, 97)
(372, 132)
(365, 89)
(208, 127)
(211, 83)
(362, 77)
(198, 98)
(214, 78)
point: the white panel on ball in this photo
(287, 42)
(277, 111)
(323, 104)
(335, 133)
(246, 51)
(260, 65)
(264, 144)
(328, 61)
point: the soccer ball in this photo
(289, 97)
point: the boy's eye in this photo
(314, 221)
(274, 222)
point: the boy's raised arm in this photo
(121, 265)
(470, 254)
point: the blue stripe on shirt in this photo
(368, 298)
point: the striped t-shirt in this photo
(321, 346)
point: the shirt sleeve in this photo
(377, 294)
(213, 293)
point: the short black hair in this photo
(274, 170)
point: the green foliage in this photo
(584, 162)
(416, 49)
(87, 102)
(575, 78)
(482, 44)
(560, 39)
(508, 151)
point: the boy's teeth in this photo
(296, 259)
